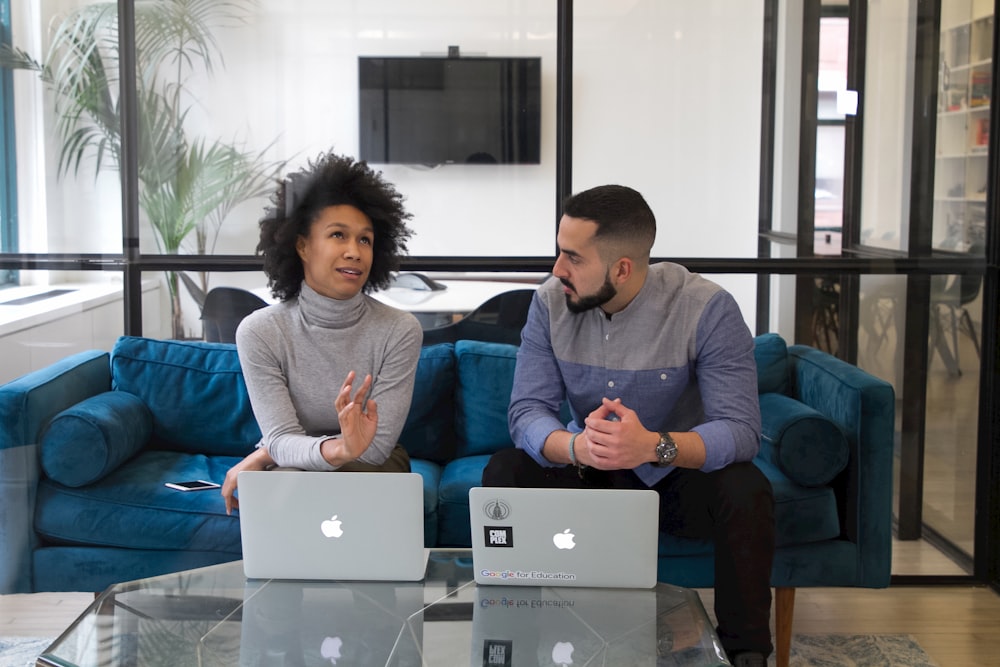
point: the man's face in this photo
(585, 276)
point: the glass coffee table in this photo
(215, 616)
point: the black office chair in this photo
(224, 309)
(498, 320)
(953, 296)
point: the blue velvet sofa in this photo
(87, 444)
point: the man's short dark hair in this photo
(331, 180)
(624, 219)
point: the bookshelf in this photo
(965, 74)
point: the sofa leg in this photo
(784, 609)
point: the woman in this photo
(329, 369)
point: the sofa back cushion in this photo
(771, 354)
(194, 390)
(85, 442)
(482, 396)
(429, 431)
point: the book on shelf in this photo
(982, 132)
(979, 88)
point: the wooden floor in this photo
(956, 626)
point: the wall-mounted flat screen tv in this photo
(441, 110)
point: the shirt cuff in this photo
(720, 447)
(535, 438)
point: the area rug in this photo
(807, 651)
(21, 651)
(857, 651)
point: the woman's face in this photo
(337, 253)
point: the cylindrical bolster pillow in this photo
(804, 444)
(87, 441)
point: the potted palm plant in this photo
(188, 184)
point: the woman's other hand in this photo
(258, 460)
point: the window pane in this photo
(887, 112)
(829, 216)
(963, 125)
(833, 33)
(67, 186)
(289, 89)
(183, 308)
(952, 417)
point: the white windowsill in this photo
(83, 297)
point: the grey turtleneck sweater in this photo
(296, 355)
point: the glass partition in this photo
(965, 81)
(65, 127)
(667, 98)
(289, 89)
(952, 417)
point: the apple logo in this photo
(563, 540)
(330, 650)
(331, 527)
(562, 653)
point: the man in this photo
(657, 366)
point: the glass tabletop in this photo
(216, 616)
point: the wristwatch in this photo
(666, 450)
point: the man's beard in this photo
(598, 298)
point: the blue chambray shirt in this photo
(680, 355)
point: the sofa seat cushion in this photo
(482, 396)
(132, 508)
(453, 499)
(429, 431)
(806, 445)
(431, 474)
(93, 569)
(802, 515)
(194, 390)
(671, 545)
(87, 441)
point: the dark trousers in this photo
(733, 507)
(398, 461)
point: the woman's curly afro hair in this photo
(330, 180)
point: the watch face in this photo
(666, 451)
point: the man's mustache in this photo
(567, 284)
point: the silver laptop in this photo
(323, 623)
(514, 625)
(564, 537)
(332, 525)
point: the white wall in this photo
(667, 99)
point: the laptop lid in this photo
(332, 526)
(517, 625)
(564, 537)
(323, 623)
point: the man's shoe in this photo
(749, 659)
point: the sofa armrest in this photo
(26, 406)
(864, 408)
